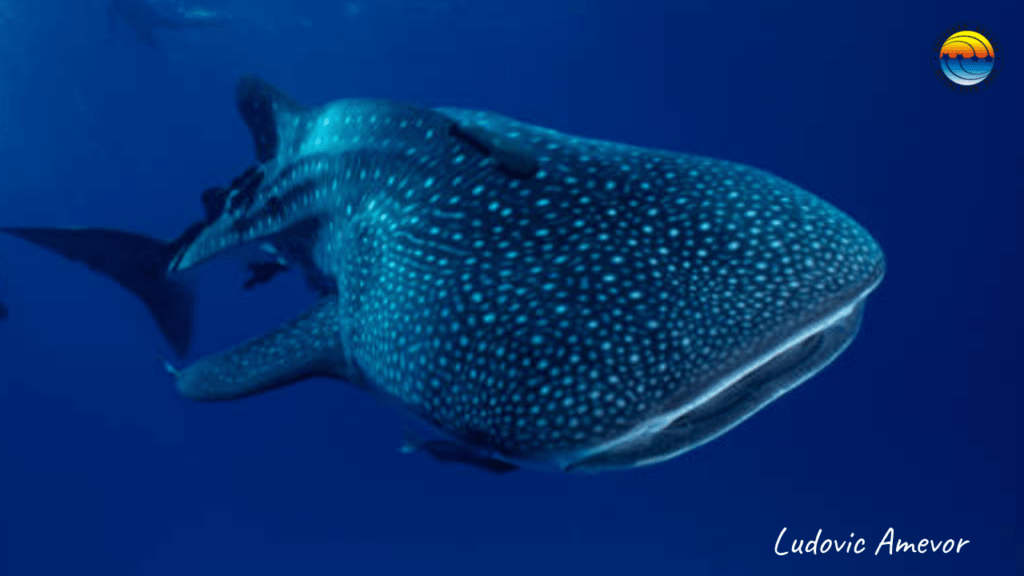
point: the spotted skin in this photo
(546, 317)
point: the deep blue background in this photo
(105, 470)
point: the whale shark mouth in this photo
(732, 398)
(786, 370)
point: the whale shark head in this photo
(541, 298)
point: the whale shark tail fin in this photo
(136, 262)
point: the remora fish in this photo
(541, 299)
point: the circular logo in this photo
(966, 57)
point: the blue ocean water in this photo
(105, 470)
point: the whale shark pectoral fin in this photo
(309, 346)
(136, 262)
(512, 158)
(268, 112)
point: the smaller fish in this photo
(450, 452)
(263, 272)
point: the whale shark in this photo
(532, 297)
(144, 19)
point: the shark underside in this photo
(538, 299)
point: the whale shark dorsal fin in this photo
(269, 113)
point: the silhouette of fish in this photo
(144, 19)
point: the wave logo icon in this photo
(966, 57)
